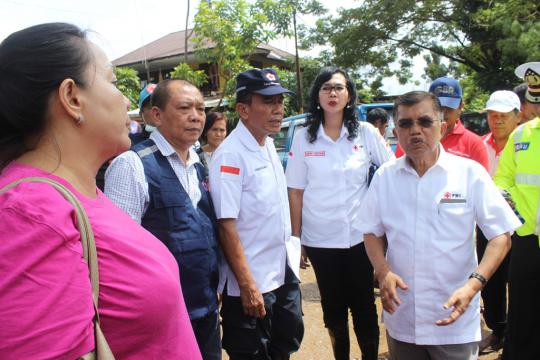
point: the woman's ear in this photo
(69, 96)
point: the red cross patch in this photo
(270, 76)
(150, 88)
(447, 195)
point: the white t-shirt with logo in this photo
(333, 175)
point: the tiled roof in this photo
(173, 44)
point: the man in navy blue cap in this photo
(261, 308)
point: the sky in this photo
(121, 26)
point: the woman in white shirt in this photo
(327, 177)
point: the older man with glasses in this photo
(430, 278)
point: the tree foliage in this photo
(488, 39)
(236, 27)
(436, 68)
(128, 83)
(184, 72)
(280, 13)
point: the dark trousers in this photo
(523, 329)
(345, 280)
(208, 336)
(494, 293)
(276, 335)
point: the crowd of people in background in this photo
(200, 233)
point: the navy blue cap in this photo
(263, 82)
(448, 91)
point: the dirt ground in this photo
(316, 343)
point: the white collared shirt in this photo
(493, 154)
(333, 175)
(126, 185)
(247, 183)
(429, 223)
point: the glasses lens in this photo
(327, 89)
(426, 123)
(405, 123)
(408, 123)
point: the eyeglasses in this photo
(327, 89)
(423, 122)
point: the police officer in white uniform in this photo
(261, 311)
(427, 204)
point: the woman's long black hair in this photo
(316, 116)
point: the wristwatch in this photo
(479, 277)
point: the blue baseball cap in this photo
(145, 94)
(448, 91)
(260, 81)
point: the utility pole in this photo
(186, 37)
(298, 75)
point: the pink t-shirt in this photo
(45, 293)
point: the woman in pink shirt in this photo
(61, 117)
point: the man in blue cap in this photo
(457, 139)
(145, 111)
(261, 308)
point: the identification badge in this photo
(314, 153)
(521, 146)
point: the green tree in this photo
(236, 27)
(436, 68)
(128, 83)
(184, 72)
(288, 81)
(487, 38)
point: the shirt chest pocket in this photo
(458, 215)
(356, 166)
(168, 199)
(264, 187)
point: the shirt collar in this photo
(490, 141)
(322, 134)
(248, 139)
(458, 128)
(534, 123)
(166, 149)
(442, 161)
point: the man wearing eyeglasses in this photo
(456, 139)
(430, 279)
